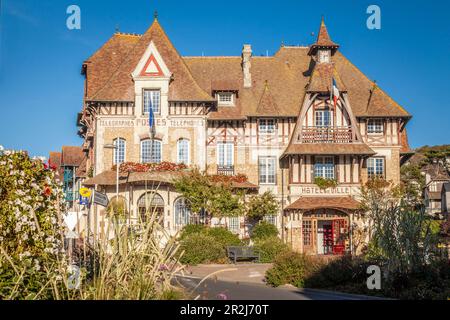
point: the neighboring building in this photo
(436, 176)
(70, 164)
(270, 118)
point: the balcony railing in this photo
(225, 170)
(327, 135)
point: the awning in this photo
(106, 178)
(309, 203)
(329, 149)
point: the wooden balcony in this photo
(326, 135)
(225, 170)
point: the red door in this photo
(339, 236)
(327, 238)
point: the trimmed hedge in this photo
(206, 245)
(289, 268)
(270, 248)
(264, 230)
(200, 248)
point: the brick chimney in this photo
(246, 65)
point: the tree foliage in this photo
(219, 199)
(262, 205)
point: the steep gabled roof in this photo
(120, 87)
(323, 40)
(290, 73)
(105, 61)
(321, 78)
(267, 104)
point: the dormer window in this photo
(324, 56)
(375, 126)
(225, 98)
(152, 99)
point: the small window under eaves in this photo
(225, 98)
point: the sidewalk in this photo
(241, 272)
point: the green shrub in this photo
(190, 229)
(201, 248)
(264, 230)
(269, 248)
(345, 272)
(289, 268)
(224, 237)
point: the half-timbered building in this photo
(272, 118)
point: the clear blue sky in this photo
(41, 86)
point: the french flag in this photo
(335, 92)
(151, 121)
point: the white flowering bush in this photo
(30, 225)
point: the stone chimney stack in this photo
(246, 65)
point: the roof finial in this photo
(323, 20)
(117, 28)
(266, 85)
(155, 15)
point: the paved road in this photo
(227, 290)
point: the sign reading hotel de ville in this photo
(143, 122)
(315, 190)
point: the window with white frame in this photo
(150, 151)
(375, 126)
(233, 224)
(324, 167)
(324, 56)
(267, 126)
(182, 212)
(119, 150)
(152, 99)
(375, 167)
(225, 98)
(183, 151)
(270, 218)
(225, 154)
(323, 118)
(267, 166)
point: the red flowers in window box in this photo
(150, 167)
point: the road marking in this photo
(254, 274)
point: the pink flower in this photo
(222, 296)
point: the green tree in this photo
(262, 205)
(219, 199)
(413, 183)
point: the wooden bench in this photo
(241, 252)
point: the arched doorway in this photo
(325, 231)
(148, 204)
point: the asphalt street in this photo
(212, 289)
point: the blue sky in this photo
(41, 87)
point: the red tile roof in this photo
(120, 85)
(72, 156)
(308, 203)
(289, 74)
(322, 77)
(323, 38)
